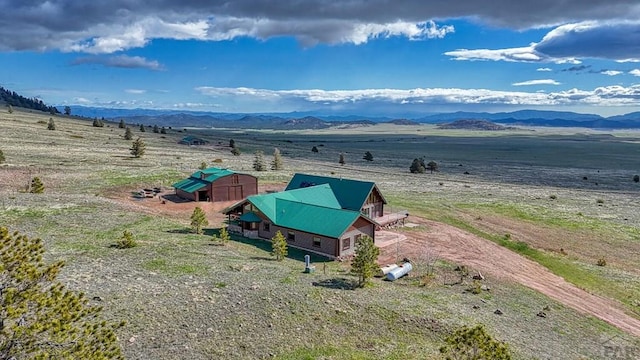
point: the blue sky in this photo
(375, 57)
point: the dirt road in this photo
(464, 248)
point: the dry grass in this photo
(185, 297)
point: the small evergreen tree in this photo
(276, 164)
(279, 246)
(10, 109)
(41, 319)
(224, 236)
(258, 161)
(2, 158)
(126, 241)
(432, 166)
(235, 151)
(198, 220)
(155, 129)
(418, 166)
(232, 143)
(163, 130)
(98, 123)
(341, 159)
(138, 148)
(636, 178)
(67, 110)
(51, 125)
(127, 134)
(203, 165)
(368, 156)
(37, 187)
(314, 149)
(122, 125)
(474, 344)
(364, 264)
(142, 129)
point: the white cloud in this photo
(537, 82)
(635, 72)
(543, 69)
(611, 72)
(110, 26)
(135, 91)
(366, 98)
(614, 40)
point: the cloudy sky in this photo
(336, 56)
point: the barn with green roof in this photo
(216, 185)
(310, 217)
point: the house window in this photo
(346, 243)
(291, 236)
(266, 226)
(316, 242)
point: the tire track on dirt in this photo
(464, 248)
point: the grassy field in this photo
(185, 297)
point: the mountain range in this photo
(310, 120)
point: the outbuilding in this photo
(216, 185)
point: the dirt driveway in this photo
(467, 249)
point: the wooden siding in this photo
(361, 227)
(374, 205)
(233, 187)
(186, 195)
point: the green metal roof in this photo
(190, 185)
(318, 195)
(212, 174)
(351, 194)
(250, 217)
(314, 219)
(312, 209)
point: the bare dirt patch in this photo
(464, 248)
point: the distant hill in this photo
(316, 120)
(12, 98)
(472, 124)
(402, 122)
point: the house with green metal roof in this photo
(216, 185)
(311, 218)
(356, 195)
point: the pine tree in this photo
(10, 109)
(417, 166)
(122, 125)
(37, 187)
(368, 156)
(276, 164)
(142, 128)
(155, 129)
(432, 166)
(474, 344)
(138, 148)
(279, 246)
(41, 319)
(224, 236)
(258, 161)
(314, 149)
(198, 220)
(364, 264)
(341, 159)
(127, 134)
(232, 143)
(67, 110)
(203, 165)
(2, 158)
(51, 125)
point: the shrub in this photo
(636, 178)
(553, 197)
(368, 156)
(203, 165)
(2, 158)
(601, 262)
(600, 201)
(37, 187)
(217, 161)
(418, 166)
(126, 241)
(235, 151)
(474, 343)
(51, 125)
(476, 287)
(314, 149)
